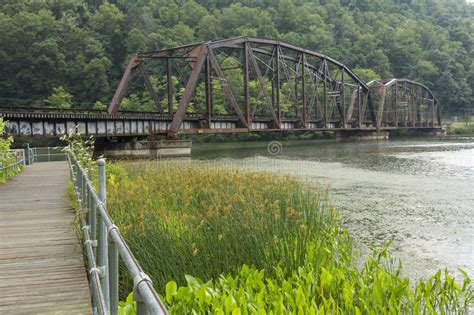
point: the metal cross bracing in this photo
(242, 84)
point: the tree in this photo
(136, 41)
(366, 74)
(96, 80)
(60, 98)
(424, 71)
(107, 26)
(99, 106)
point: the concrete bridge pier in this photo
(362, 135)
(146, 149)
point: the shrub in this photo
(6, 158)
(459, 129)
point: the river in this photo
(418, 193)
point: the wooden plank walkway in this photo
(41, 263)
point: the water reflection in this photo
(418, 193)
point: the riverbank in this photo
(461, 129)
(211, 222)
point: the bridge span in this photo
(241, 84)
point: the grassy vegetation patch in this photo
(225, 241)
(461, 129)
(193, 220)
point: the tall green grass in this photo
(186, 219)
(261, 243)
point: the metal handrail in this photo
(104, 245)
(18, 155)
(45, 154)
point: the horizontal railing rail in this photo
(11, 160)
(45, 154)
(104, 245)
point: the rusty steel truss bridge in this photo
(241, 84)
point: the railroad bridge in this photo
(241, 84)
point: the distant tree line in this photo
(73, 52)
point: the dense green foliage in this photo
(6, 158)
(336, 288)
(5, 142)
(263, 244)
(49, 49)
(83, 150)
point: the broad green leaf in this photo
(130, 299)
(171, 289)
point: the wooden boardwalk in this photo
(41, 263)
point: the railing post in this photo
(93, 219)
(74, 179)
(92, 216)
(83, 192)
(78, 184)
(29, 153)
(113, 278)
(102, 237)
(141, 306)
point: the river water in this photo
(418, 193)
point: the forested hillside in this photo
(76, 50)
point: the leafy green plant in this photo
(7, 158)
(127, 307)
(82, 148)
(323, 290)
(5, 142)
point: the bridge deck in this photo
(41, 264)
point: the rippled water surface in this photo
(419, 193)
